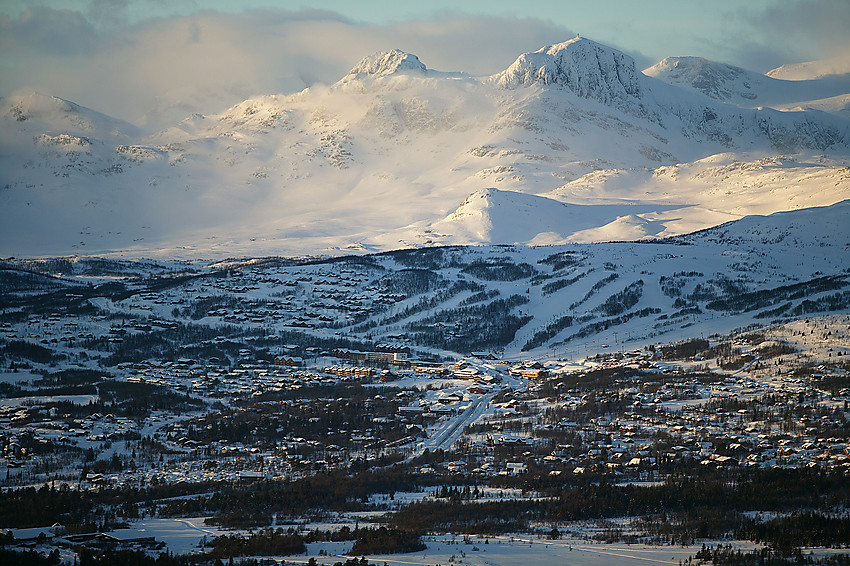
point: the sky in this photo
(152, 62)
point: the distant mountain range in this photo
(571, 143)
(727, 83)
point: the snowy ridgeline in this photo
(572, 134)
(516, 299)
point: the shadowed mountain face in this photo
(569, 144)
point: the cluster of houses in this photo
(485, 412)
(667, 415)
(676, 415)
(57, 537)
(680, 416)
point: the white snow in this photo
(748, 89)
(838, 65)
(181, 535)
(570, 144)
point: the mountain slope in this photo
(838, 65)
(32, 112)
(751, 271)
(747, 89)
(379, 158)
(527, 302)
(491, 215)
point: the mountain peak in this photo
(387, 63)
(24, 106)
(587, 68)
(496, 216)
(720, 81)
(38, 113)
(812, 70)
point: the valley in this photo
(418, 381)
(568, 312)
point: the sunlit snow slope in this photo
(570, 143)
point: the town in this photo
(485, 413)
(167, 389)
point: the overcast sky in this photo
(149, 61)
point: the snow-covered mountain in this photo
(35, 113)
(569, 143)
(728, 83)
(575, 298)
(388, 63)
(588, 69)
(837, 65)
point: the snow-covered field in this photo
(185, 535)
(181, 535)
(510, 551)
(75, 399)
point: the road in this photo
(452, 429)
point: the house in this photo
(291, 361)
(36, 533)
(529, 370)
(516, 468)
(484, 356)
(412, 411)
(387, 358)
(465, 373)
(450, 398)
(423, 367)
(534, 373)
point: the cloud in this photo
(821, 26)
(108, 13)
(791, 32)
(48, 31)
(158, 71)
